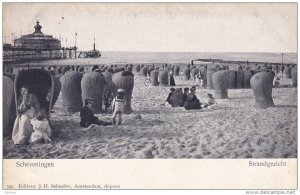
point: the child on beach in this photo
(210, 101)
(276, 82)
(42, 130)
(118, 106)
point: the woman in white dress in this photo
(28, 108)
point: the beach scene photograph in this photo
(149, 80)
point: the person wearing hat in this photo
(171, 79)
(87, 116)
(192, 101)
(193, 89)
(95, 67)
(210, 100)
(118, 106)
(97, 70)
(276, 82)
(103, 68)
(169, 100)
(184, 96)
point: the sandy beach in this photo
(234, 128)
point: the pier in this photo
(221, 61)
(36, 46)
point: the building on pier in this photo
(36, 46)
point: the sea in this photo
(109, 58)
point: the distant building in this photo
(33, 47)
(38, 40)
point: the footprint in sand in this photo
(192, 150)
(162, 146)
(75, 146)
(206, 153)
(248, 156)
(208, 138)
(289, 143)
(139, 147)
(194, 143)
(220, 155)
(287, 155)
(220, 135)
(259, 141)
(244, 142)
(220, 123)
(148, 152)
(198, 156)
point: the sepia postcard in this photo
(150, 96)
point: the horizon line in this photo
(198, 51)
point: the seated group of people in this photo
(190, 100)
(31, 124)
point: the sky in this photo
(165, 27)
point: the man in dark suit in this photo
(87, 116)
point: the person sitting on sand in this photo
(168, 100)
(171, 79)
(192, 100)
(87, 117)
(184, 96)
(42, 130)
(210, 101)
(118, 106)
(276, 82)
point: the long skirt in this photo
(22, 128)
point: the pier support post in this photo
(70, 53)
